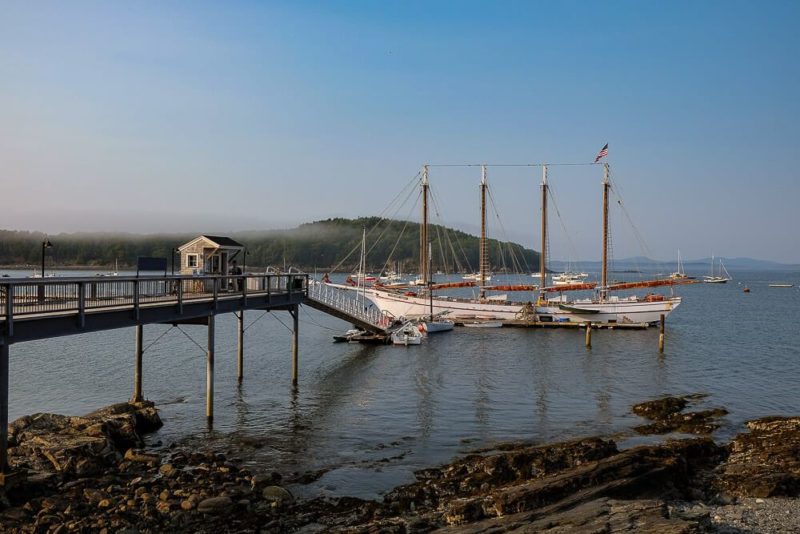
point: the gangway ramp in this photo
(347, 305)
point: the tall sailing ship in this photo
(552, 303)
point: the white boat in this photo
(717, 278)
(781, 285)
(679, 274)
(484, 324)
(603, 308)
(437, 325)
(568, 278)
(408, 334)
(476, 277)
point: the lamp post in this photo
(45, 245)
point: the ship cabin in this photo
(209, 254)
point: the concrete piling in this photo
(588, 335)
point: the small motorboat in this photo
(437, 325)
(347, 336)
(408, 334)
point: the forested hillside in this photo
(321, 245)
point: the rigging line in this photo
(400, 235)
(358, 245)
(204, 349)
(411, 187)
(441, 230)
(254, 322)
(156, 339)
(637, 234)
(572, 249)
(435, 203)
(510, 164)
(514, 261)
(311, 321)
(389, 222)
(278, 319)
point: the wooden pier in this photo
(33, 309)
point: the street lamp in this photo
(45, 245)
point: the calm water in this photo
(374, 414)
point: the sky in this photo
(225, 116)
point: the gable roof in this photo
(218, 241)
(223, 241)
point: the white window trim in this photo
(189, 261)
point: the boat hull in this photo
(614, 310)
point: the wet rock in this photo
(668, 416)
(703, 422)
(215, 505)
(277, 494)
(764, 462)
(660, 408)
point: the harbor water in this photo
(364, 417)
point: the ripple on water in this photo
(420, 406)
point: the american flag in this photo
(603, 152)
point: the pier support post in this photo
(661, 334)
(240, 356)
(589, 335)
(295, 344)
(210, 371)
(137, 366)
(4, 370)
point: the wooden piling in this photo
(4, 371)
(137, 366)
(588, 335)
(210, 371)
(240, 359)
(295, 342)
(661, 333)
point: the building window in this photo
(191, 260)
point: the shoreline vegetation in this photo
(319, 245)
(93, 473)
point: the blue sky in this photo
(193, 116)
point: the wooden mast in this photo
(543, 253)
(604, 265)
(483, 259)
(423, 231)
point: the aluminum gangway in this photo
(348, 305)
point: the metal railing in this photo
(349, 302)
(26, 296)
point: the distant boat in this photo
(717, 278)
(679, 274)
(781, 285)
(476, 277)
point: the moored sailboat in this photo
(601, 308)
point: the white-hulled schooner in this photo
(604, 307)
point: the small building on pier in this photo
(209, 254)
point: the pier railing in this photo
(350, 304)
(31, 296)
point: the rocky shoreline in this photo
(93, 474)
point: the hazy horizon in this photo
(165, 117)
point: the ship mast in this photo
(543, 253)
(423, 231)
(604, 265)
(483, 259)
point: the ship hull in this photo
(614, 310)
